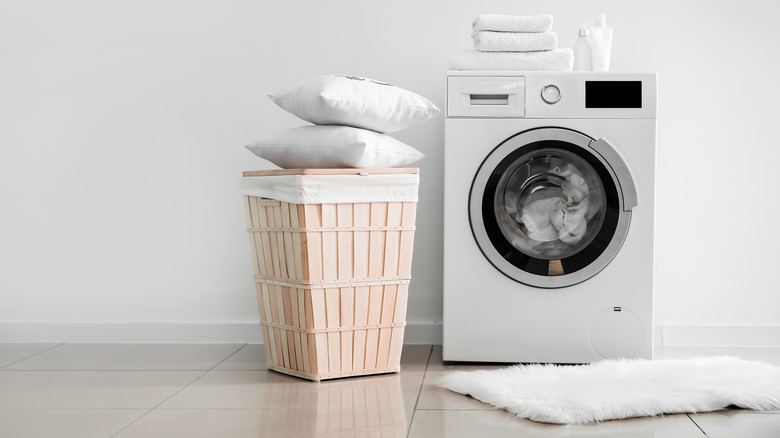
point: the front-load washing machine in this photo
(549, 216)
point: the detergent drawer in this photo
(486, 96)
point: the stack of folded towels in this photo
(506, 42)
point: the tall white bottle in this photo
(583, 60)
(601, 44)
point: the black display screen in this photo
(613, 94)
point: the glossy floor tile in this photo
(66, 423)
(225, 390)
(11, 353)
(153, 357)
(90, 389)
(415, 357)
(738, 423)
(498, 424)
(434, 397)
(393, 394)
(251, 357)
(276, 423)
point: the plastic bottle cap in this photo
(584, 30)
(601, 20)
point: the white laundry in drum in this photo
(558, 213)
(551, 208)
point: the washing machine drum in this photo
(551, 207)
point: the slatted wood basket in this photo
(332, 283)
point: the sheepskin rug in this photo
(622, 388)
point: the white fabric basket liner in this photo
(333, 189)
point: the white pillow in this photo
(355, 101)
(317, 147)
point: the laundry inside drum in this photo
(550, 203)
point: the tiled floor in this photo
(225, 390)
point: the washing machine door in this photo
(551, 207)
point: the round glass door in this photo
(549, 203)
(545, 208)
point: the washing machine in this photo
(549, 216)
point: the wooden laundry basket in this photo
(331, 280)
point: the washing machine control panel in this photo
(551, 95)
(589, 95)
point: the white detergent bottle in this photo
(601, 44)
(583, 60)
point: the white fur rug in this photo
(616, 389)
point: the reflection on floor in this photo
(225, 390)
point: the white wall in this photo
(122, 127)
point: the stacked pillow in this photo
(351, 116)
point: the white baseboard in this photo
(247, 332)
(717, 335)
(232, 332)
(423, 333)
(416, 333)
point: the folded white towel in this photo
(553, 60)
(513, 23)
(488, 41)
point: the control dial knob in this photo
(551, 94)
